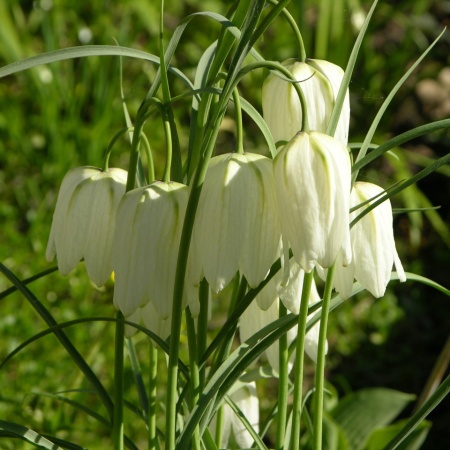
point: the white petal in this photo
(220, 220)
(262, 230)
(312, 174)
(246, 400)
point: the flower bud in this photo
(84, 219)
(320, 82)
(312, 178)
(236, 226)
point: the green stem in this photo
(219, 427)
(272, 65)
(239, 131)
(118, 382)
(295, 29)
(137, 372)
(167, 169)
(202, 326)
(320, 365)
(194, 372)
(283, 362)
(148, 152)
(152, 437)
(299, 361)
(206, 152)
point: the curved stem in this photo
(272, 65)
(167, 169)
(320, 365)
(119, 134)
(148, 153)
(295, 29)
(299, 361)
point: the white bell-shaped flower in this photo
(320, 82)
(246, 399)
(265, 310)
(147, 238)
(236, 226)
(84, 220)
(373, 245)
(312, 177)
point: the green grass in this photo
(63, 115)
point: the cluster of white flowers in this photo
(249, 204)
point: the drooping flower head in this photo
(84, 220)
(373, 245)
(236, 226)
(312, 177)
(147, 238)
(320, 82)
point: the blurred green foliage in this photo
(63, 115)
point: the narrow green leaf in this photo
(257, 118)
(334, 119)
(395, 190)
(387, 101)
(184, 370)
(380, 438)
(83, 52)
(246, 423)
(439, 394)
(39, 275)
(229, 372)
(63, 339)
(28, 435)
(397, 141)
(362, 412)
(208, 441)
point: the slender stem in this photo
(168, 116)
(271, 65)
(148, 152)
(167, 169)
(202, 326)
(320, 365)
(239, 131)
(152, 437)
(137, 372)
(194, 372)
(283, 362)
(295, 29)
(299, 361)
(219, 427)
(206, 152)
(118, 382)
